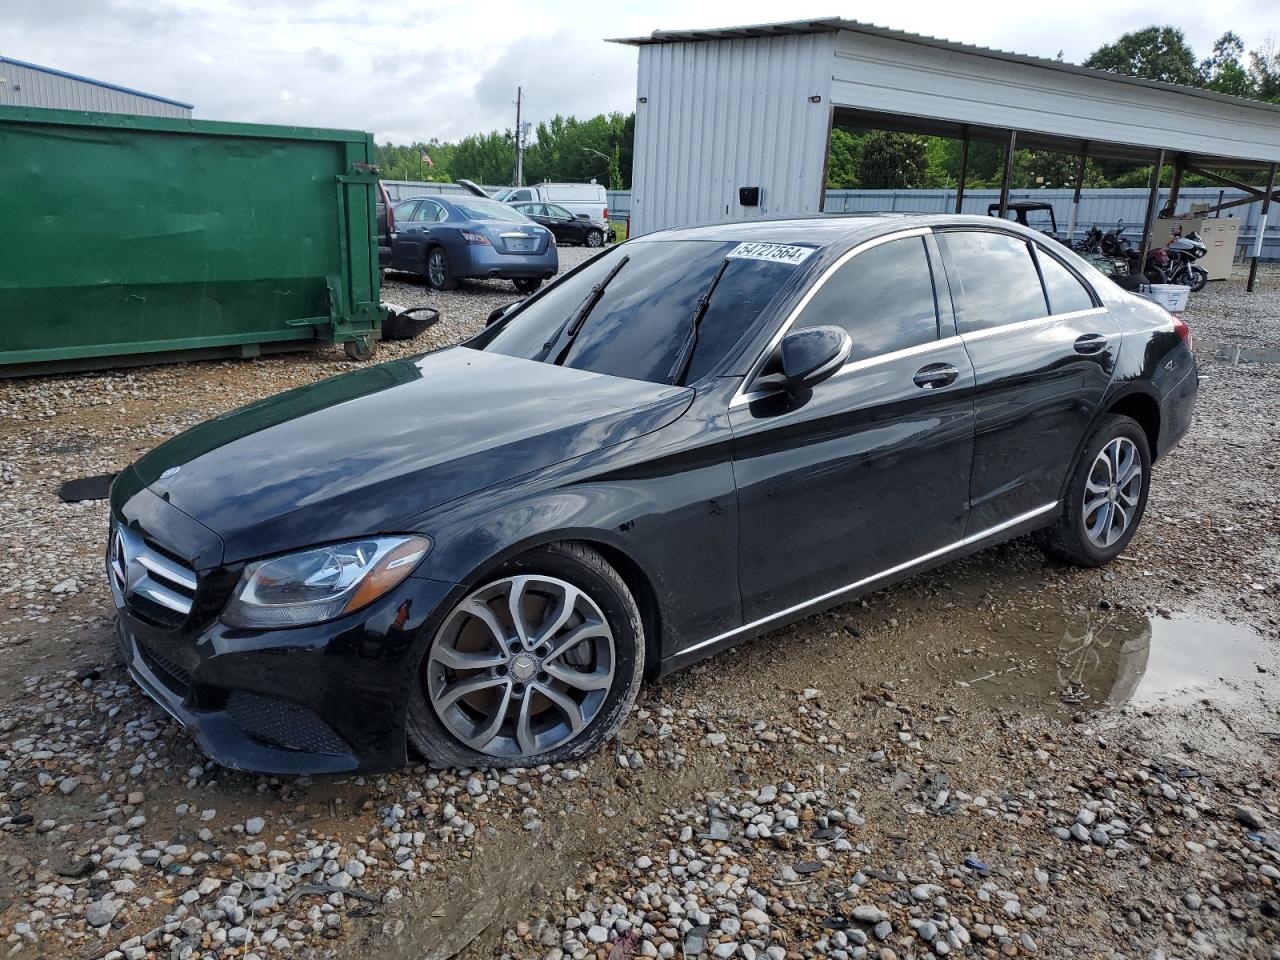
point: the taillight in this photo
(1182, 330)
(606, 214)
(478, 239)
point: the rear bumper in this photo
(485, 261)
(1177, 406)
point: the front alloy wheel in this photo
(536, 665)
(595, 238)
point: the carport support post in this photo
(1008, 172)
(1171, 205)
(964, 170)
(1075, 198)
(1148, 224)
(1262, 229)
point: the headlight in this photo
(323, 583)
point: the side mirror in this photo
(500, 312)
(813, 354)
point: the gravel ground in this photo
(1004, 757)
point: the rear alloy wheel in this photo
(1106, 495)
(439, 274)
(537, 665)
(527, 284)
(595, 238)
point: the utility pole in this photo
(519, 175)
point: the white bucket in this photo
(1172, 296)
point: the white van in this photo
(586, 200)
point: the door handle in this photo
(935, 375)
(1091, 343)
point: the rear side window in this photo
(997, 279)
(883, 297)
(1066, 292)
(429, 212)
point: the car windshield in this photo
(478, 209)
(638, 325)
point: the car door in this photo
(416, 234)
(537, 212)
(564, 225)
(1043, 350)
(400, 240)
(868, 472)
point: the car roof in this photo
(448, 198)
(824, 230)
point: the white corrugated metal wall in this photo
(713, 117)
(21, 86)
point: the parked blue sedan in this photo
(448, 238)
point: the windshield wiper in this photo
(575, 320)
(681, 365)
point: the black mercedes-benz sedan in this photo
(691, 439)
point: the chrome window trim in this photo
(1030, 324)
(740, 395)
(867, 581)
(742, 399)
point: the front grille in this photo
(278, 723)
(165, 670)
(149, 580)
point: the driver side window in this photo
(883, 297)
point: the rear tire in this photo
(439, 272)
(527, 285)
(1105, 499)
(498, 659)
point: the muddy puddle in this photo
(1114, 659)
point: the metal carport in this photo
(722, 109)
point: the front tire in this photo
(595, 238)
(1106, 495)
(1199, 277)
(540, 663)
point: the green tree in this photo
(1224, 72)
(892, 161)
(1047, 168)
(1154, 53)
(1264, 71)
(843, 154)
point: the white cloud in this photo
(415, 70)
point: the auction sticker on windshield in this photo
(776, 252)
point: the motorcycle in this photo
(1183, 254)
(1091, 244)
(1116, 245)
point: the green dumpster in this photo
(138, 239)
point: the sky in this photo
(411, 70)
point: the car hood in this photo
(356, 454)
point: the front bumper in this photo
(328, 698)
